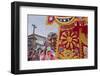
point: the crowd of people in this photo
(47, 52)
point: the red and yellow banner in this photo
(72, 40)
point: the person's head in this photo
(34, 52)
(39, 49)
(48, 53)
(52, 38)
(42, 52)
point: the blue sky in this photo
(42, 28)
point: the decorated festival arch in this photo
(72, 39)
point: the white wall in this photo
(5, 41)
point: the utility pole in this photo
(34, 28)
